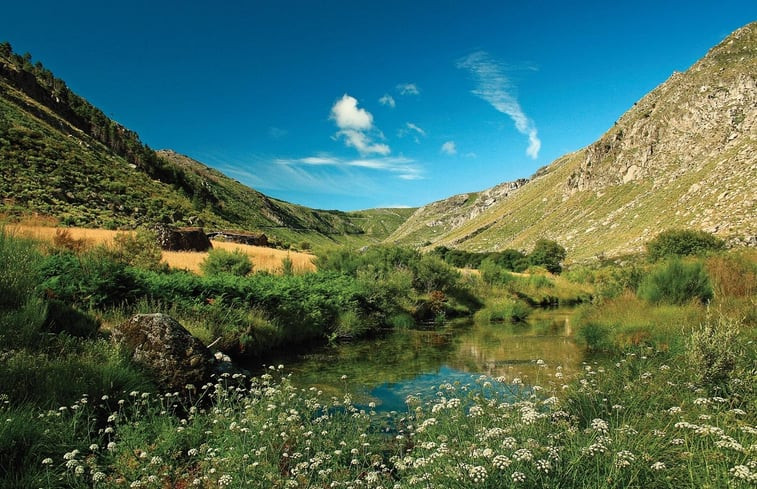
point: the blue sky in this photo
(353, 105)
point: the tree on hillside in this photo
(548, 254)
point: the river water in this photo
(386, 370)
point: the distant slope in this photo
(62, 157)
(684, 156)
(431, 221)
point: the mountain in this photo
(685, 155)
(62, 157)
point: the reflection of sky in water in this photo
(391, 396)
(387, 369)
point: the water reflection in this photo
(386, 370)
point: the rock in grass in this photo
(164, 347)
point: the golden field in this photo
(268, 259)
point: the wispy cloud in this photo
(356, 126)
(494, 87)
(408, 89)
(411, 129)
(449, 148)
(402, 167)
(388, 100)
(415, 128)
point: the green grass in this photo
(628, 321)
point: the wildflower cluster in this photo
(624, 423)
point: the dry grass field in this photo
(268, 259)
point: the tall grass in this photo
(627, 321)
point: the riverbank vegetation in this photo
(667, 400)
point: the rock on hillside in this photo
(685, 155)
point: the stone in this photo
(184, 239)
(165, 348)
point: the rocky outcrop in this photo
(165, 348)
(184, 239)
(708, 111)
(446, 215)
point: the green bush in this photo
(90, 280)
(682, 242)
(221, 261)
(713, 350)
(507, 310)
(547, 254)
(432, 273)
(676, 282)
(494, 274)
(139, 249)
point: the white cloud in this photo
(388, 100)
(449, 148)
(354, 125)
(408, 89)
(363, 143)
(494, 87)
(404, 168)
(347, 115)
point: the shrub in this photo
(493, 274)
(90, 280)
(508, 310)
(221, 261)
(548, 254)
(287, 266)
(432, 273)
(714, 349)
(139, 249)
(676, 282)
(682, 242)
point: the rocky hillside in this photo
(62, 157)
(429, 222)
(685, 155)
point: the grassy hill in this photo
(685, 155)
(62, 157)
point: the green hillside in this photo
(682, 156)
(62, 157)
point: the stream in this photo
(387, 369)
